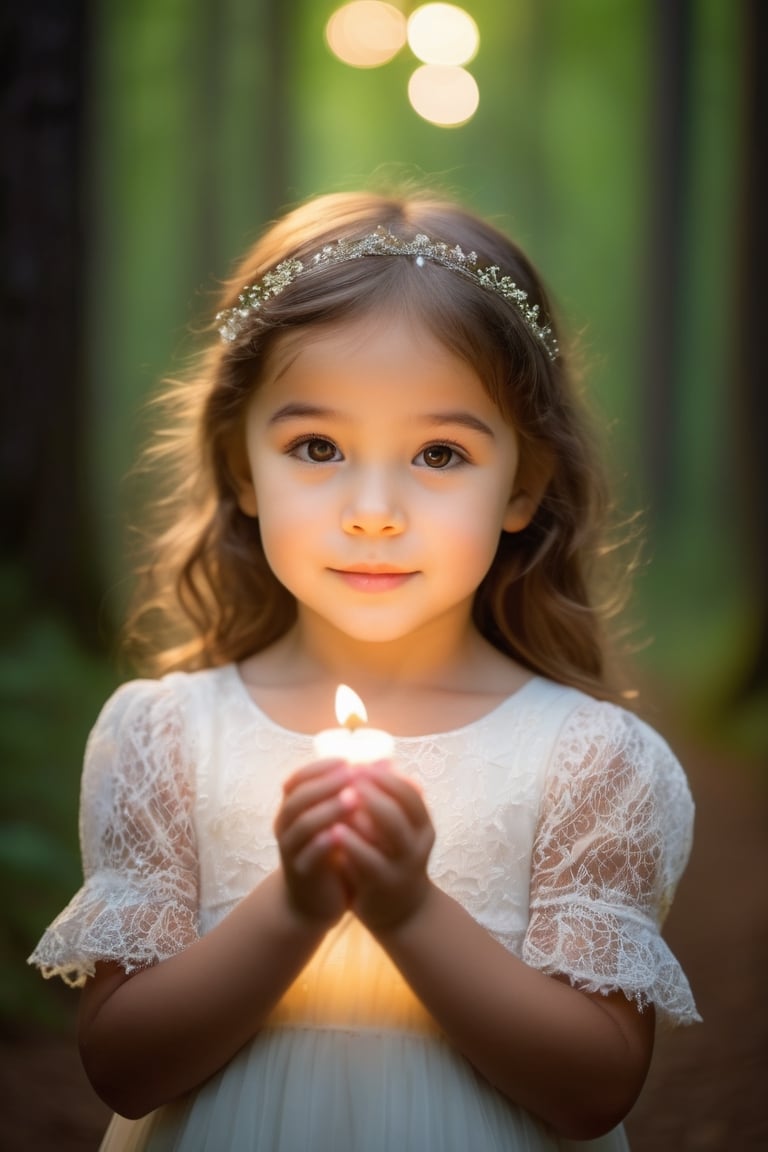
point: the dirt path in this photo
(708, 1086)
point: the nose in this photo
(374, 506)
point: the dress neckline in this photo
(233, 672)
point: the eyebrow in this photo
(298, 410)
(464, 419)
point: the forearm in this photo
(147, 1039)
(574, 1060)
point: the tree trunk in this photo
(750, 361)
(45, 531)
(665, 270)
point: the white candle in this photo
(353, 741)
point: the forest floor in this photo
(708, 1086)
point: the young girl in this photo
(380, 477)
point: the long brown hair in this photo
(206, 595)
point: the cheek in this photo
(466, 542)
(279, 527)
(476, 512)
(278, 540)
(289, 523)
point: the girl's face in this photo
(382, 475)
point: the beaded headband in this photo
(382, 242)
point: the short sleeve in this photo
(613, 839)
(138, 904)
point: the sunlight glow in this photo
(442, 34)
(366, 33)
(445, 96)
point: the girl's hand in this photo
(315, 800)
(384, 845)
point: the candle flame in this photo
(350, 710)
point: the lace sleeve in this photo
(613, 839)
(138, 904)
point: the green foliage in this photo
(211, 118)
(208, 119)
(50, 693)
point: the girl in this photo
(380, 476)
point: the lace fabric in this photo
(138, 904)
(614, 837)
(563, 826)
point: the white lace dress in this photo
(563, 826)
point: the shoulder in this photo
(177, 693)
(155, 720)
(586, 727)
(596, 743)
(596, 729)
(608, 759)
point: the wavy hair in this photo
(205, 593)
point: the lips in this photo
(373, 578)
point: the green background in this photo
(205, 119)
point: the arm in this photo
(151, 1036)
(576, 1060)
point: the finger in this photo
(317, 851)
(311, 791)
(293, 835)
(363, 823)
(404, 790)
(395, 830)
(316, 769)
(359, 858)
(364, 864)
(382, 891)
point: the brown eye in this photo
(316, 450)
(321, 451)
(438, 456)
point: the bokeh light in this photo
(442, 34)
(366, 33)
(447, 96)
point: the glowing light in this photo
(366, 33)
(350, 710)
(353, 741)
(444, 96)
(442, 34)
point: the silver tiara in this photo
(382, 242)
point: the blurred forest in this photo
(146, 142)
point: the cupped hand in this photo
(316, 799)
(385, 842)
